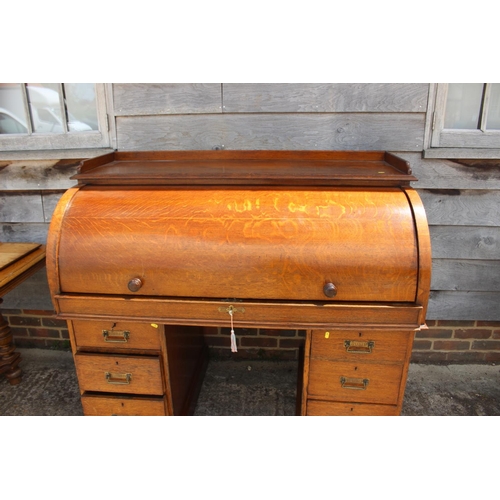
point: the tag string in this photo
(233, 336)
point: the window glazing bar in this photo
(27, 114)
(484, 107)
(62, 105)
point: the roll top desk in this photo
(150, 247)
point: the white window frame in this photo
(69, 140)
(454, 143)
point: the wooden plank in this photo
(12, 252)
(166, 98)
(464, 305)
(465, 242)
(324, 97)
(446, 174)
(17, 266)
(356, 131)
(466, 275)
(469, 138)
(21, 207)
(55, 154)
(25, 175)
(461, 207)
(493, 153)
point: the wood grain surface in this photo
(266, 244)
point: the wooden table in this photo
(18, 261)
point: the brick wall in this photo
(34, 328)
(442, 342)
(458, 342)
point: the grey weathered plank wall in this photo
(29, 192)
(270, 116)
(463, 209)
(461, 202)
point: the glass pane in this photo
(493, 120)
(12, 112)
(463, 105)
(81, 106)
(45, 107)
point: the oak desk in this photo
(151, 247)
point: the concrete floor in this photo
(49, 387)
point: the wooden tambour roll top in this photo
(311, 228)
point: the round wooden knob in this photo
(330, 290)
(134, 284)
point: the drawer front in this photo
(355, 382)
(240, 243)
(360, 345)
(113, 405)
(117, 335)
(120, 374)
(325, 408)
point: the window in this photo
(52, 116)
(464, 121)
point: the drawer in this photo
(325, 408)
(117, 335)
(113, 405)
(120, 374)
(355, 382)
(361, 345)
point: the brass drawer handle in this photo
(354, 383)
(118, 378)
(116, 336)
(358, 346)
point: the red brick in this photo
(422, 344)
(43, 332)
(19, 332)
(220, 341)
(53, 322)
(496, 334)
(291, 343)
(8, 312)
(258, 342)
(451, 345)
(32, 343)
(239, 331)
(492, 357)
(465, 356)
(431, 322)
(278, 333)
(494, 324)
(456, 324)
(36, 312)
(301, 333)
(25, 321)
(434, 333)
(472, 333)
(217, 352)
(486, 345)
(428, 357)
(210, 330)
(64, 334)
